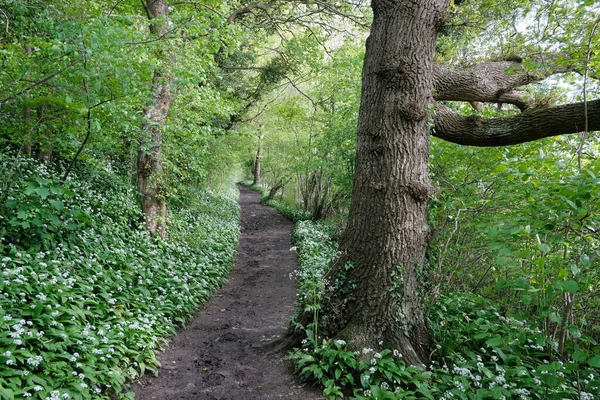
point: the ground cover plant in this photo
(86, 294)
(480, 353)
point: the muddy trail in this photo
(227, 350)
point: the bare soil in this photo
(229, 349)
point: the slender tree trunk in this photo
(45, 143)
(27, 138)
(149, 164)
(257, 164)
(27, 118)
(387, 233)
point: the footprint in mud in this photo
(212, 378)
(228, 337)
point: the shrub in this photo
(481, 354)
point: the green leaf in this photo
(43, 192)
(575, 332)
(594, 362)
(425, 392)
(494, 342)
(544, 248)
(500, 168)
(364, 380)
(574, 269)
(570, 286)
(580, 355)
(7, 394)
(59, 205)
(350, 378)
(549, 379)
(554, 317)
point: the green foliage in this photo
(310, 143)
(291, 212)
(366, 374)
(82, 57)
(481, 353)
(485, 355)
(60, 61)
(523, 227)
(86, 309)
(315, 250)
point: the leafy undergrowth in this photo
(86, 295)
(481, 354)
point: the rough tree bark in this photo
(493, 81)
(149, 164)
(525, 127)
(387, 232)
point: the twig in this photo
(7, 20)
(314, 104)
(585, 100)
(164, 35)
(87, 137)
(88, 118)
(109, 13)
(46, 79)
(263, 109)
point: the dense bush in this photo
(521, 229)
(86, 295)
(481, 353)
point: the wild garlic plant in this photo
(85, 305)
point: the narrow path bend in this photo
(223, 353)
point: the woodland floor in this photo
(227, 350)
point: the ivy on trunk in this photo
(149, 163)
(387, 233)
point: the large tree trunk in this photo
(387, 233)
(149, 164)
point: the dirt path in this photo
(223, 353)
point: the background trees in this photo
(98, 81)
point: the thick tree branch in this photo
(245, 10)
(526, 127)
(492, 82)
